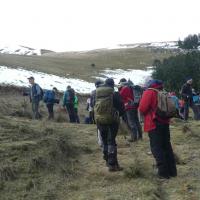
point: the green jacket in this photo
(76, 102)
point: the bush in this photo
(190, 42)
(174, 70)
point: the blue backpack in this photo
(49, 96)
(196, 99)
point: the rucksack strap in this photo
(153, 89)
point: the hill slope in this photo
(86, 65)
(51, 160)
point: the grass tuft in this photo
(7, 173)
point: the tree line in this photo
(190, 42)
(176, 69)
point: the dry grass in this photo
(50, 160)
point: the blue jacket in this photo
(196, 99)
(35, 92)
(49, 97)
(175, 100)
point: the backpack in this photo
(137, 93)
(48, 97)
(41, 94)
(104, 111)
(69, 96)
(165, 108)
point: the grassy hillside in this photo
(51, 160)
(79, 64)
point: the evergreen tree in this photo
(190, 42)
(174, 70)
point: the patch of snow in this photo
(18, 77)
(19, 50)
(138, 77)
(163, 45)
(123, 46)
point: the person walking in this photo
(107, 110)
(77, 120)
(68, 102)
(175, 100)
(50, 100)
(196, 104)
(186, 93)
(158, 131)
(36, 95)
(126, 91)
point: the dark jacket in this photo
(93, 98)
(118, 104)
(68, 97)
(186, 92)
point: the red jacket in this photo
(147, 107)
(127, 97)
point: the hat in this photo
(155, 83)
(188, 79)
(122, 80)
(68, 87)
(54, 88)
(109, 82)
(31, 77)
(98, 83)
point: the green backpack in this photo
(104, 111)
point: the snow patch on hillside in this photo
(159, 45)
(138, 77)
(19, 50)
(18, 77)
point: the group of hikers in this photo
(107, 106)
(70, 101)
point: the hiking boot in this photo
(118, 168)
(114, 168)
(130, 140)
(140, 138)
(163, 177)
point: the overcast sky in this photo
(63, 25)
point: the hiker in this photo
(181, 108)
(50, 100)
(127, 90)
(90, 118)
(77, 120)
(196, 104)
(98, 83)
(158, 130)
(186, 93)
(36, 95)
(108, 108)
(68, 102)
(176, 103)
